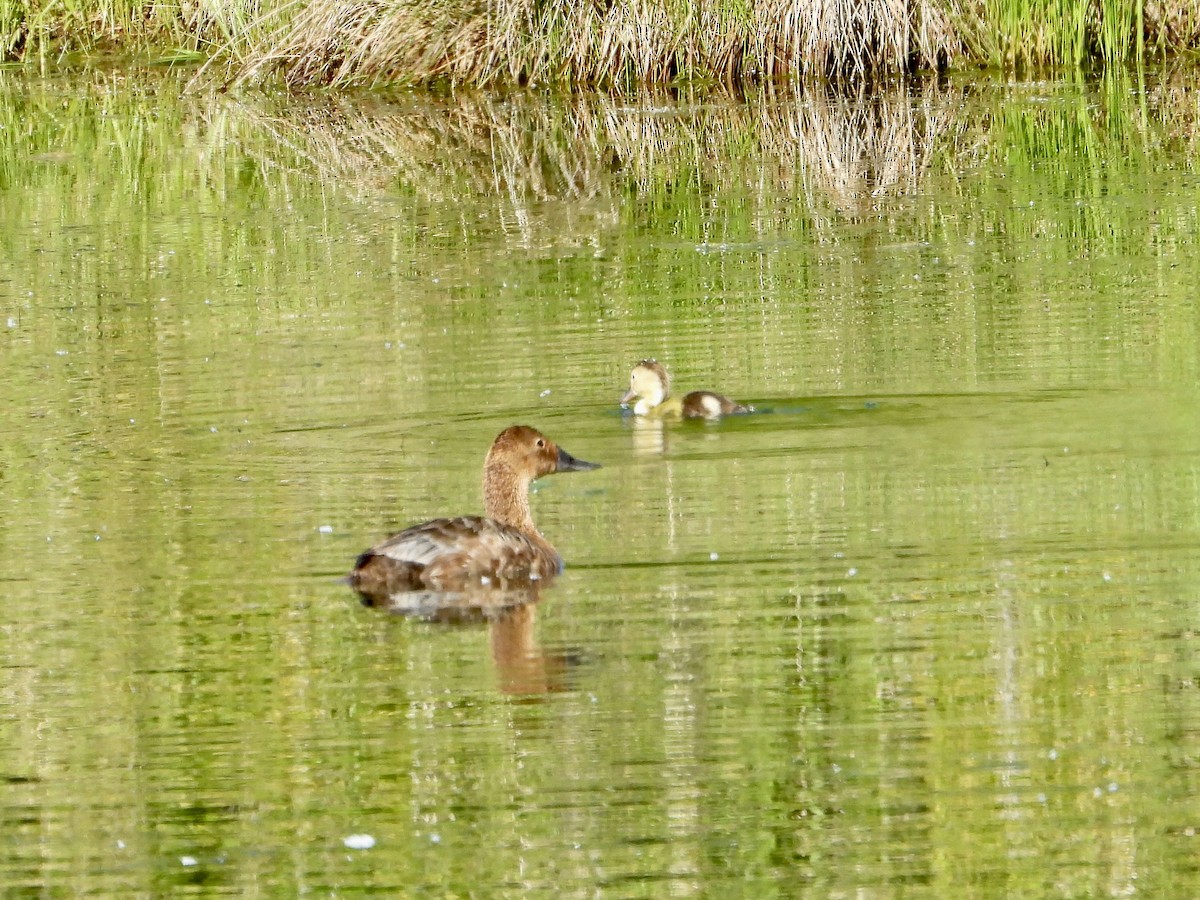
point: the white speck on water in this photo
(545, 393)
(188, 861)
(435, 838)
(97, 537)
(133, 421)
(359, 841)
(1066, 449)
(1107, 576)
(839, 555)
(326, 529)
(713, 556)
(387, 345)
(1112, 787)
(1041, 798)
(1053, 754)
(12, 323)
(120, 844)
(212, 428)
(851, 572)
(61, 352)
(437, 281)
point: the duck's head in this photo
(530, 454)
(648, 384)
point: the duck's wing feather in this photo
(423, 544)
(451, 555)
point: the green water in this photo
(925, 624)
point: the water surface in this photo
(923, 624)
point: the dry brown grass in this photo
(603, 43)
(610, 44)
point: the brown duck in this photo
(503, 549)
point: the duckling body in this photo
(502, 548)
(650, 385)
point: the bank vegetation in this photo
(608, 44)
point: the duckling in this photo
(650, 385)
(502, 549)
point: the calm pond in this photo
(925, 623)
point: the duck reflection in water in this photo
(472, 556)
(522, 665)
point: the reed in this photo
(613, 44)
(41, 29)
(605, 43)
(1036, 33)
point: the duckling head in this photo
(649, 384)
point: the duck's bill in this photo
(568, 463)
(628, 398)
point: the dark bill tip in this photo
(568, 463)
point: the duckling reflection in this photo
(650, 386)
(649, 436)
(502, 551)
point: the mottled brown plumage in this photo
(650, 386)
(502, 549)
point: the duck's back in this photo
(707, 405)
(452, 555)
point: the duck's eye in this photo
(541, 443)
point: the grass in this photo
(610, 44)
(604, 43)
